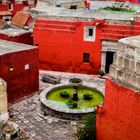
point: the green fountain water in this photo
(54, 97)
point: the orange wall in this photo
(61, 47)
(61, 44)
(119, 119)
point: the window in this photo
(73, 7)
(89, 33)
(86, 57)
(6, 19)
(10, 6)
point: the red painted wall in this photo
(20, 82)
(119, 119)
(116, 31)
(23, 38)
(16, 7)
(61, 46)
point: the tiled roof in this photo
(20, 19)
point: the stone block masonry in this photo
(126, 66)
(3, 101)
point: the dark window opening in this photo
(9, 6)
(109, 60)
(58, 5)
(86, 57)
(73, 7)
(90, 32)
(6, 19)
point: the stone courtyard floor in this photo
(27, 114)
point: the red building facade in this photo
(80, 47)
(119, 118)
(69, 46)
(19, 68)
(13, 6)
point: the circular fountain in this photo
(68, 101)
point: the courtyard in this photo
(28, 115)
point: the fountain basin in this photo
(52, 106)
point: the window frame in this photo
(87, 36)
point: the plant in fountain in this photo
(64, 94)
(87, 96)
(71, 104)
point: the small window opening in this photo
(6, 19)
(73, 7)
(86, 57)
(9, 6)
(90, 32)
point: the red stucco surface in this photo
(61, 46)
(119, 119)
(20, 82)
(16, 7)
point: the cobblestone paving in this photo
(28, 116)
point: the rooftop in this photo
(132, 41)
(9, 47)
(61, 1)
(49, 10)
(13, 32)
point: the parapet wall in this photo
(126, 64)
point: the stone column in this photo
(3, 101)
(103, 61)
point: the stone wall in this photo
(3, 101)
(126, 64)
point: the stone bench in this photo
(51, 79)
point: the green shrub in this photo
(64, 94)
(71, 104)
(87, 130)
(87, 96)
